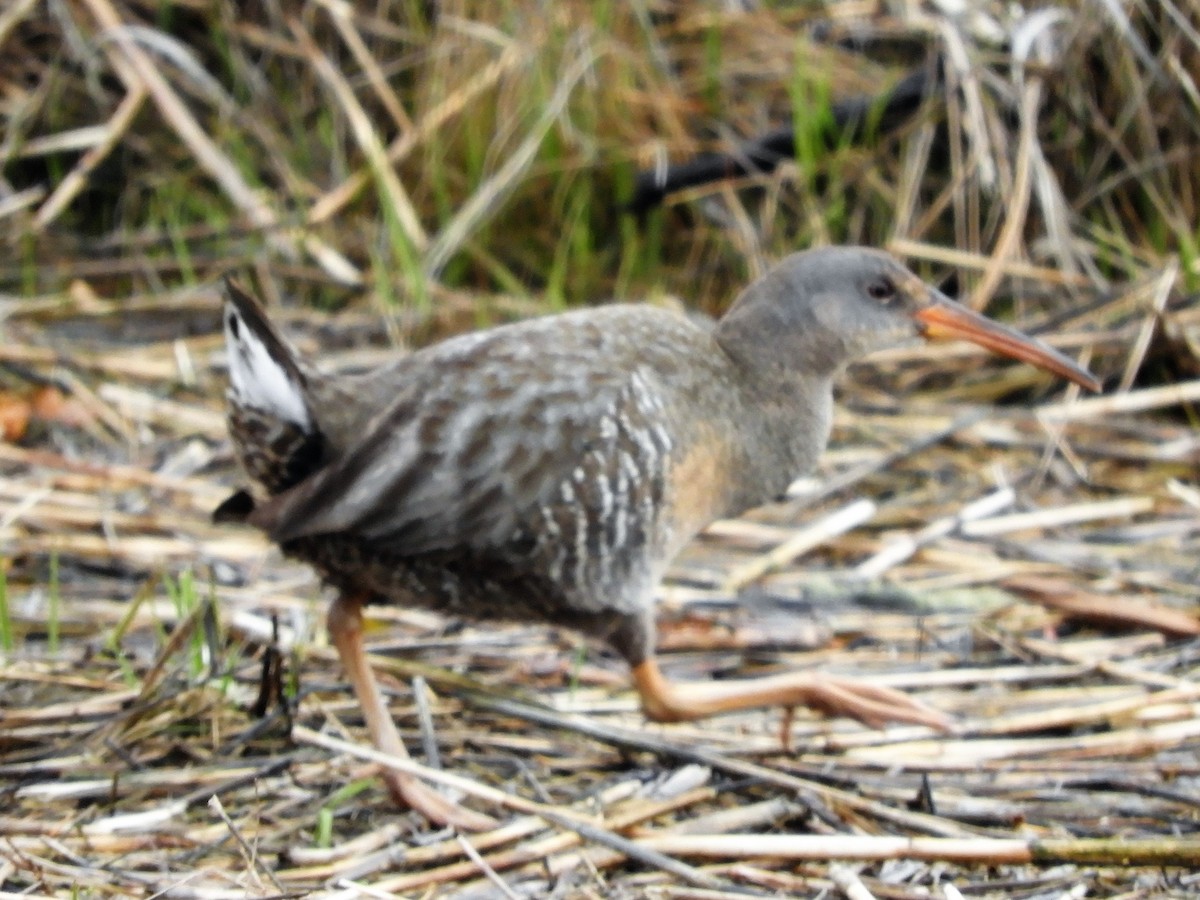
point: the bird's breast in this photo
(699, 489)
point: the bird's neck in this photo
(769, 345)
(782, 428)
(793, 419)
(785, 378)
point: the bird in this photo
(549, 470)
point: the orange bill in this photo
(945, 320)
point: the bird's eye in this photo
(883, 289)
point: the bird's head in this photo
(820, 309)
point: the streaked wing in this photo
(481, 432)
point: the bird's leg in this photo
(874, 705)
(344, 622)
(785, 728)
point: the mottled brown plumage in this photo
(550, 470)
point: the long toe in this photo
(683, 701)
(875, 705)
(407, 791)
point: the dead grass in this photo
(1021, 557)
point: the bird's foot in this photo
(408, 792)
(872, 704)
(345, 627)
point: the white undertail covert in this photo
(256, 379)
